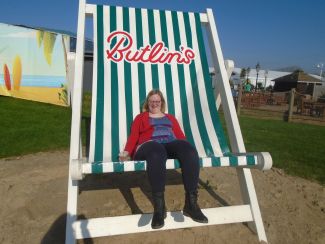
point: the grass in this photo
(299, 149)
(29, 127)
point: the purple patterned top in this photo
(163, 132)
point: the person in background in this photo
(155, 137)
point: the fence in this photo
(306, 106)
(257, 99)
(288, 105)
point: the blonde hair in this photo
(145, 107)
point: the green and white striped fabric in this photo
(120, 87)
(224, 161)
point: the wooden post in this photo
(291, 103)
(240, 92)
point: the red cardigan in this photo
(142, 130)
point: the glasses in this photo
(154, 102)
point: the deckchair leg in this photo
(75, 143)
(235, 136)
(71, 210)
(249, 197)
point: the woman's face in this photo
(154, 104)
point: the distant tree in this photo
(242, 74)
(269, 88)
(298, 70)
(248, 70)
(259, 85)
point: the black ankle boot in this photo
(159, 210)
(192, 209)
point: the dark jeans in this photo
(156, 155)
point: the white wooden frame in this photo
(248, 212)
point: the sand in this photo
(33, 191)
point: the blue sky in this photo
(277, 33)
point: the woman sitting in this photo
(155, 137)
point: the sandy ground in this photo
(33, 193)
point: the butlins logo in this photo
(121, 42)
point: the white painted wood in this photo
(77, 86)
(76, 169)
(75, 123)
(203, 18)
(265, 159)
(235, 136)
(249, 197)
(90, 8)
(71, 210)
(230, 65)
(94, 91)
(119, 225)
(71, 58)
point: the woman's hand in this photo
(124, 156)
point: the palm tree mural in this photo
(63, 94)
(48, 40)
(39, 37)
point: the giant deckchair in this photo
(136, 50)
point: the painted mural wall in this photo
(33, 65)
